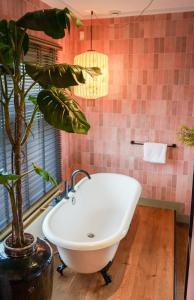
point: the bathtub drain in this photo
(91, 235)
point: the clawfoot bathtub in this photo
(88, 227)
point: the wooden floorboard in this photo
(181, 254)
(143, 268)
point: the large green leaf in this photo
(61, 111)
(6, 54)
(10, 36)
(44, 174)
(59, 75)
(6, 51)
(53, 21)
(5, 177)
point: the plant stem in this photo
(28, 128)
(17, 154)
(15, 222)
(19, 111)
(2, 89)
(30, 87)
(7, 124)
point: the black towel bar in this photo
(138, 143)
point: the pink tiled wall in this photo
(151, 92)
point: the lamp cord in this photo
(91, 30)
(136, 17)
(145, 8)
(93, 13)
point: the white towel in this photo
(155, 152)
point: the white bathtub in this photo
(104, 206)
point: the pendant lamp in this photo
(97, 86)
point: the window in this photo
(42, 148)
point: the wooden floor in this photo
(181, 254)
(143, 268)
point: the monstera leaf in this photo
(44, 174)
(61, 111)
(5, 177)
(53, 22)
(10, 34)
(59, 75)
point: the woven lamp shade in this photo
(97, 86)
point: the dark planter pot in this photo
(29, 277)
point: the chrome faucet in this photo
(67, 189)
(71, 188)
(73, 175)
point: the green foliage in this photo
(44, 174)
(6, 177)
(32, 99)
(10, 35)
(57, 106)
(186, 135)
(53, 22)
(59, 75)
(6, 54)
(61, 111)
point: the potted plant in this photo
(25, 264)
(186, 135)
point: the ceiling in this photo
(103, 8)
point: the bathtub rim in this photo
(92, 245)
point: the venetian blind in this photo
(42, 148)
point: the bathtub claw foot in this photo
(107, 277)
(60, 268)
